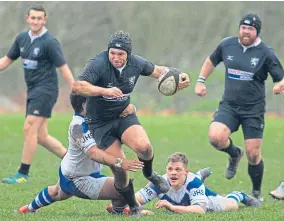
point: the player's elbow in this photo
(77, 86)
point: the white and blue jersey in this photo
(193, 192)
(78, 174)
(76, 162)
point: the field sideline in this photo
(168, 134)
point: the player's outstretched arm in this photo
(67, 75)
(103, 157)
(179, 209)
(5, 62)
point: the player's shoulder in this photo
(231, 40)
(22, 35)
(269, 51)
(192, 181)
(100, 61)
(136, 61)
(50, 38)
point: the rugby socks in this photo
(238, 196)
(256, 173)
(147, 169)
(41, 200)
(232, 150)
(128, 194)
(24, 169)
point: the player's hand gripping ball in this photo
(168, 81)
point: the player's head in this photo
(177, 169)
(78, 103)
(250, 27)
(119, 48)
(36, 18)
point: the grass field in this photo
(177, 133)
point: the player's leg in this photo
(46, 197)
(253, 126)
(203, 173)
(109, 192)
(31, 127)
(225, 122)
(49, 142)
(122, 183)
(278, 193)
(241, 197)
(134, 136)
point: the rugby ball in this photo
(168, 81)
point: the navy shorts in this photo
(105, 135)
(250, 117)
(41, 105)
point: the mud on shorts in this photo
(86, 187)
(105, 135)
(41, 104)
(216, 203)
(251, 117)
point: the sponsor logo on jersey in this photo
(29, 64)
(240, 75)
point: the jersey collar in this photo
(37, 36)
(256, 43)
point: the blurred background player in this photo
(80, 170)
(41, 54)
(247, 62)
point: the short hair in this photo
(77, 102)
(37, 8)
(178, 157)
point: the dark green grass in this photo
(168, 134)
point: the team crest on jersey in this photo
(254, 62)
(22, 49)
(36, 51)
(132, 81)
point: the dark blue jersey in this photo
(40, 58)
(100, 72)
(247, 69)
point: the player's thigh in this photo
(104, 135)
(108, 191)
(115, 149)
(225, 121)
(41, 105)
(32, 124)
(253, 126)
(132, 133)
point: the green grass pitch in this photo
(168, 134)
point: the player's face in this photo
(247, 35)
(36, 21)
(117, 57)
(176, 173)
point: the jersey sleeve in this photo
(14, 51)
(89, 73)
(81, 135)
(55, 53)
(148, 193)
(274, 67)
(216, 57)
(147, 66)
(196, 191)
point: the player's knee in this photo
(42, 139)
(254, 157)
(145, 148)
(217, 140)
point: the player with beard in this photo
(247, 63)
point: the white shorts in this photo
(216, 203)
(86, 187)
